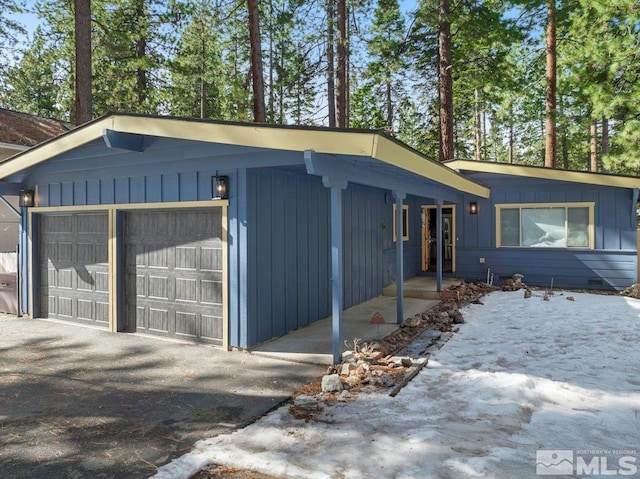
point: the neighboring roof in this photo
(24, 130)
(290, 138)
(586, 177)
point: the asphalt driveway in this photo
(82, 403)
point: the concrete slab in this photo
(312, 344)
(421, 287)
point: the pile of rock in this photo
(465, 292)
(514, 283)
(377, 363)
(632, 291)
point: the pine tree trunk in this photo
(203, 72)
(331, 74)
(389, 107)
(341, 71)
(445, 88)
(141, 53)
(257, 77)
(512, 143)
(550, 123)
(476, 125)
(604, 149)
(564, 147)
(593, 145)
(83, 80)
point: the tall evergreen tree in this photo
(83, 84)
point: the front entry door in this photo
(429, 242)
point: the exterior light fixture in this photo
(473, 208)
(27, 198)
(219, 187)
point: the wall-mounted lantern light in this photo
(27, 198)
(473, 208)
(219, 187)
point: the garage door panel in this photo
(101, 282)
(64, 307)
(186, 258)
(187, 324)
(85, 310)
(157, 256)
(186, 290)
(211, 259)
(158, 320)
(211, 292)
(178, 275)
(211, 327)
(65, 278)
(158, 287)
(73, 273)
(65, 253)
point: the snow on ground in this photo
(521, 375)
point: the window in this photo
(405, 222)
(545, 225)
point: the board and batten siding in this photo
(190, 186)
(611, 265)
(288, 249)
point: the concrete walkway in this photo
(313, 343)
(83, 403)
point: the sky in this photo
(526, 388)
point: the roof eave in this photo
(584, 177)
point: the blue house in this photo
(234, 234)
(569, 229)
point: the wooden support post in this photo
(399, 197)
(439, 245)
(337, 266)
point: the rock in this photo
(632, 291)
(348, 357)
(307, 402)
(377, 319)
(443, 316)
(344, 395)
(352, 381)
(346, 368)
(406, 362)
(545, 297)
(458, 319)
(331, 383)
(385, 380)
(571, 298)
(363, 364)
(332, 369)
(527, 293)
(412, 322)
(517, 278)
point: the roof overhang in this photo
(585, 177)
(321, 140)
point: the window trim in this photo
(520, 206)
(405, 222)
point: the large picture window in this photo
(545, 225)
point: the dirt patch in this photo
(219, 472)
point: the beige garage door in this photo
(174, 273)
